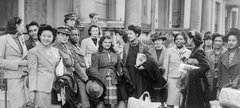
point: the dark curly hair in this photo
(135, 29)
(123, 34)
(33, 23)
(11, 25)
(90, 28)
(91, 15)
(233, 31)
(180, 33)
(215, 35)
(100, 49)
(45, 27)
(197, 38)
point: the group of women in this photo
(112, 63)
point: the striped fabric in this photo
(111, 92)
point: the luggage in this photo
(230, 97)
(143, 103)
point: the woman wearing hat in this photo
(71, 65)
(195, 92)
(229, 62)
(175, 55)
(42, 62)
(208, 42)
(105, 67)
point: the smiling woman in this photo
(42, 60)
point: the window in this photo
(234, 19)
(217, 17)
(177, 13)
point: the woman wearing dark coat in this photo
(141, 76)
(105, 64)
(195, 94)
(229, 62)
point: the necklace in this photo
(133, 44)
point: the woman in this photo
(69, 61)
(213, 58)
(121, 39)
(196, 91)
(42, 60)
(13, 62)
(141, 75)
(90, 44)
(106, 63)
(229, 62)
(176, 54)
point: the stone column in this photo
(206, 15)
(196, 15)
(85, 8)
(120, 9)
(238, 17)
(21, 9)
(133, 12)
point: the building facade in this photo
(151, 15)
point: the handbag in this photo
(215, 104)
(60, 68)
(229, 97)
(143, 103)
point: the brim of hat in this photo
(163, 38)
(64, 32)
(88, 84)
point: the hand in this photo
(141, 67)
(23, 63)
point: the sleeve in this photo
(166, 64)
(32, 66)
(6, 64)
(118, 66)
(93, 69)
(84, 46)
(79, 71)
(219, 74)
(203, 63)
(151, 70)
(147, 52)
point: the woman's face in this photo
(179, 41)
(132, 35)
(46, 37)
(232, 41)
(208, 42)
(20, 28)
(74, 37)
(71, 22)
(95, 18)
(218, 42)
(63, 38)
(107, 43)
(158, 43)
(94, 31)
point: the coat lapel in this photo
(43, 52)
(225, 59)
(91, 43)
(125, 53)
(162, 55)
(24, 47)
(236, 59)
(154, 55)
(12, 43)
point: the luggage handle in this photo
(147, 98)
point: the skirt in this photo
(43, 100)
(174, 95)
(111, 92)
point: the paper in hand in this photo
(183, 67)
(141, 58)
